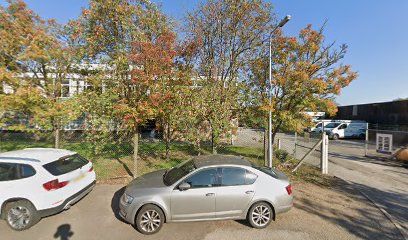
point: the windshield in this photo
(332, 125)
(179, 171)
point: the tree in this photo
(229, 32)
(180, 110)
(132, 42)
(34, 61)
(307, 75)
(186, 118)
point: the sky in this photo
(375, 31)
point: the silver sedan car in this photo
(213, 187)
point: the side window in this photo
(204, 178)
(27, 171)
(8, 171)
(343, 126)
(13, 171)
(250, 177)
(233, 176)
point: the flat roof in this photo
(212, 160)
(373, 103)
(38, 155)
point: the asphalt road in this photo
(319, 213)
(384, 181)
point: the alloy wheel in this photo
(261, 215)
(18, 217)
(150, 221)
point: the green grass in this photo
(114, 161)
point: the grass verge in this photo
(115, 164)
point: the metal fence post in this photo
(279, 143)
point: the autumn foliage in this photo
(307, 76)
(194, 86)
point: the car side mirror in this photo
(184, 186)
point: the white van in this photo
(346, 129)
(318, 128)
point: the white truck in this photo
(337, 129)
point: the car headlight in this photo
(127, 198)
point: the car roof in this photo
(35, 155)
(213, 160)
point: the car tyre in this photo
(21, 215)
(336, 136)
(149, 219)
(260, 215)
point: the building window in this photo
(65, 89)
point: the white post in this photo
(279, 143)
(325, 154)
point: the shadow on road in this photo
(372, 159)
(361, 221)
(115, 203)
(64, 232)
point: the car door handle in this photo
(209, 194)
(249, 192)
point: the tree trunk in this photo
(273, 137)
(57, 138)
(135, 141)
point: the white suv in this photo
(38, 182)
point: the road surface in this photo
(383, 181)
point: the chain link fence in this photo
(297, 145)
(112, 152)
(385, 143)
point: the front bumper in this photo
(124, 208)
(68, 202)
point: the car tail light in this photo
(54, 185)
(289, 189)
(91, 169)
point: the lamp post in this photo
(270, 148)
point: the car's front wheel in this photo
(21, 215)
(260, 215)
(149, 219)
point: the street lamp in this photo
(270, 149)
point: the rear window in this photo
(272, 172)
(65, 165)
(266, 170)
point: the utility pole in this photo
(270, 144)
